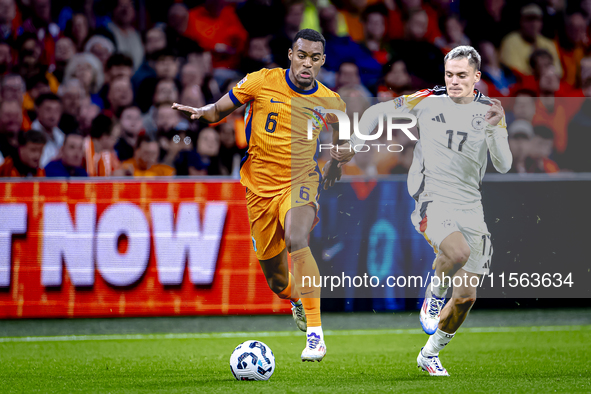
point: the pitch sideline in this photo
(116, 337)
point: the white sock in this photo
(441, 290)
(436, 343)
(315, 330)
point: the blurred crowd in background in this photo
(86, 86)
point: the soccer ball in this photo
(252, 360)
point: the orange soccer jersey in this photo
(99, 163)
(279, 150)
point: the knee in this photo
(459, 256)
(277, 283)
(295, 241)
(465, 303)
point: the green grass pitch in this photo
(520, 359)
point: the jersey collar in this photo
(477, 94)
(298, 90)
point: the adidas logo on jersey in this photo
(439, 118)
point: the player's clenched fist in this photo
(495, 113)
(196, 113)
(342, 153)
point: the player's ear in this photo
(323, 59)
(477, 76)
(289, 54)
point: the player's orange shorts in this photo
(267, 215)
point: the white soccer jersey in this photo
(451, 155)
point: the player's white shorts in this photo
(436, 220)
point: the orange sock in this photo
(306, 270)
(290, 292)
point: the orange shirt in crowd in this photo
(558, 119)
(223, 36)
(99, 163)
(26, 123)
(8, 169)
(239, 128)
(155, 170)
(354, 22)
(571, 61)
(529, 82)
(354, 26)
(29, 102)
(395, 24)
(550, 166)
(349, 169)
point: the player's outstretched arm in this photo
(367, 125)
(370, 119)
(497, 139)
(212, 112)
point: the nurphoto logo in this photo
(345, 130)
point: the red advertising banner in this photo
(107, 249)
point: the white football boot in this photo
(431, 311)
(315, 348)
(299, 316)
(431, 364)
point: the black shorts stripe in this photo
(423, 210)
